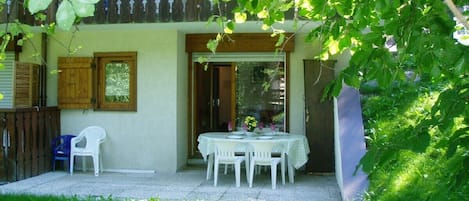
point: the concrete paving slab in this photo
(188, 184)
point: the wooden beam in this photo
(242, 42)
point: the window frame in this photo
(126, 57)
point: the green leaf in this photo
(240, 17)
(254, 4)
(65, 15)
(83, 9)
(202, 60)
(435, 71)
(459, 65)
(420, 142)
(35, 6)
(212, 45)
(351, 79)
(367, 162)
(280, 40)
(345, 42)
(20, 42)
(229, 27)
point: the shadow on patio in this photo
(187, 184)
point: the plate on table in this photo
(264, 137)
(237, 133)
(234, 137)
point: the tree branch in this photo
(457, 13)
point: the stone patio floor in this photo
(187, 184)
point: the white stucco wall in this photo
(142, 140)
(31, 51)
(182, 102)
(297, 91)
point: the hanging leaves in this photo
(35, 6)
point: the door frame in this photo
(245, 43)
(214, 98)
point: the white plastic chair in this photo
(261, 155)
(225, 153)
(93, 137)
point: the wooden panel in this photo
(27, 144)
(11, 161)
(246, 42)
(27, 133)
(150, 11)
(205, 11)
(42, 149)
(112, 12)
(177, 11)
(139, 11)
(192, 10)
(34, 144)
(27, 85)
(125, 11)
(20, 146)
(3, 151)
(319, 116)
(100, 13)
(75, 81)
(164, 11)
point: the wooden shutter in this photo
(75, 83)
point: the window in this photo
(117, 81)
(260, 92)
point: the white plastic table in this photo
(296, 147)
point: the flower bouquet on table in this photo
(250, 123)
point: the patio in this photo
(187, 184)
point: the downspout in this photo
(43, 72)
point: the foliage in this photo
(250, 123)
(117, 83)
(69, 12)
(423, 169)
(421, 32)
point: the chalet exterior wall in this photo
(155, 138)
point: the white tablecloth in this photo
(296, 146)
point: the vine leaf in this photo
(65, 15)
(35, 6)
(83, 9)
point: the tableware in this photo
(234, 137)
(237, 133)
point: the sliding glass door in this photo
(231, 87)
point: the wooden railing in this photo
(25, 138)
(134, 11)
